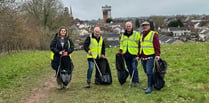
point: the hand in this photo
(137, 58)
(120, 52)
(60, 52)
(89, 52)
(102, 56)
(64, 54)
(157, 57)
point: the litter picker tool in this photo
(97, 68)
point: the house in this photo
(84, 32)
(164, 39)
(203, 35)
(179, 32)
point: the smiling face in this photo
(63, 32)
(128, 26)
(97, 31)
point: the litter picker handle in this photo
(97, 67)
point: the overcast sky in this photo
(91, 9)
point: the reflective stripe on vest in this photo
(52, 53)
(95, 47)
(130, 43)
(147, 44)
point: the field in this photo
(27, 77)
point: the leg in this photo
(90, 69)
(149, 69)
(132, 65)
(136, 75)
(129, 66)
(144, 62)
(89, 72)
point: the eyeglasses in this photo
(62, 30)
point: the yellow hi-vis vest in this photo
(52, 53)
(147, 44)
(130, 43)
(95, 47)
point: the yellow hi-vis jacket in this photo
(52, 53)
(147, 45)
(130, 43)
(95, 47)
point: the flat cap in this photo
(145, 23)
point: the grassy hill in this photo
(186, 79)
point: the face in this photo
(146, 27)
(128, 26)
(63, 32)
(96, 31)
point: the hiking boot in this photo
(148, 90)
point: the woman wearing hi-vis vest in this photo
(95, 49)
(149, 50)
(61, 47)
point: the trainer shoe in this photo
(88, 82)
(87, 85)
(134, 84)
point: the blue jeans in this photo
(90, 69)
(148, 66)
(132, 64)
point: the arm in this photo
(53, 46)
(71, 48)
(120, 51)
(139, 46)
(156, 44)
(86, 44)
(103, 48)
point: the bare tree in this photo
(49, 14)
(30, 24)
(7, 24)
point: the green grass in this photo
(21, 72)
(186, 79)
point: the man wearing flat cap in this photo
(149, 50)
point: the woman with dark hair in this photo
(61, 47)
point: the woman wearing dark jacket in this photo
(61, 47)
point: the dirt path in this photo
(39, 95)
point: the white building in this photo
(177, 32)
